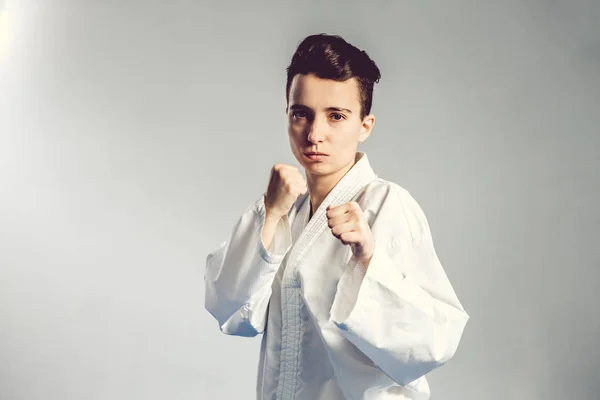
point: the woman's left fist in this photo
(348, 224)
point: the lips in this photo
(312, 153)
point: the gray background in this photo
(133, 135)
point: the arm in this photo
(240, 272)
(269, 229)
(401, 311)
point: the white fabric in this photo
(331, 329)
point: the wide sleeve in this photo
(240, 272)
(401, 311)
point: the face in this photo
(324, 116)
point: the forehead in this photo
(316, 92)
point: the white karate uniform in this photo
(330, 330)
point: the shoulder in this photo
(389, 204)
(380, 191)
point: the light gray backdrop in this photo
(134, 134)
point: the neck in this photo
(319, 186)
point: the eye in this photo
(341, 117)
(299, 114)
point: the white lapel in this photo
(344, 191)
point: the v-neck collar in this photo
(344, 191)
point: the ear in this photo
(367, 127)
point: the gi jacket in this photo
(331, 328)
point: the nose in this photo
(315, 133)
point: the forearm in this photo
(407, 323)
(269, 228)
(239, 273)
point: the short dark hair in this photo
(331, 57)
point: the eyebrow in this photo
(302, 106)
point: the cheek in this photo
(294, 140)
(351, 135)
(343, 137)
(296, 134)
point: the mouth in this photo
(315, 157)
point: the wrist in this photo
(271, 216)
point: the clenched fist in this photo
(286, 183)
(348, 223)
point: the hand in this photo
(286, 183)
(348, 224)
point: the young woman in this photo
(338, 271)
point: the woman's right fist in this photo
(286, 183)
